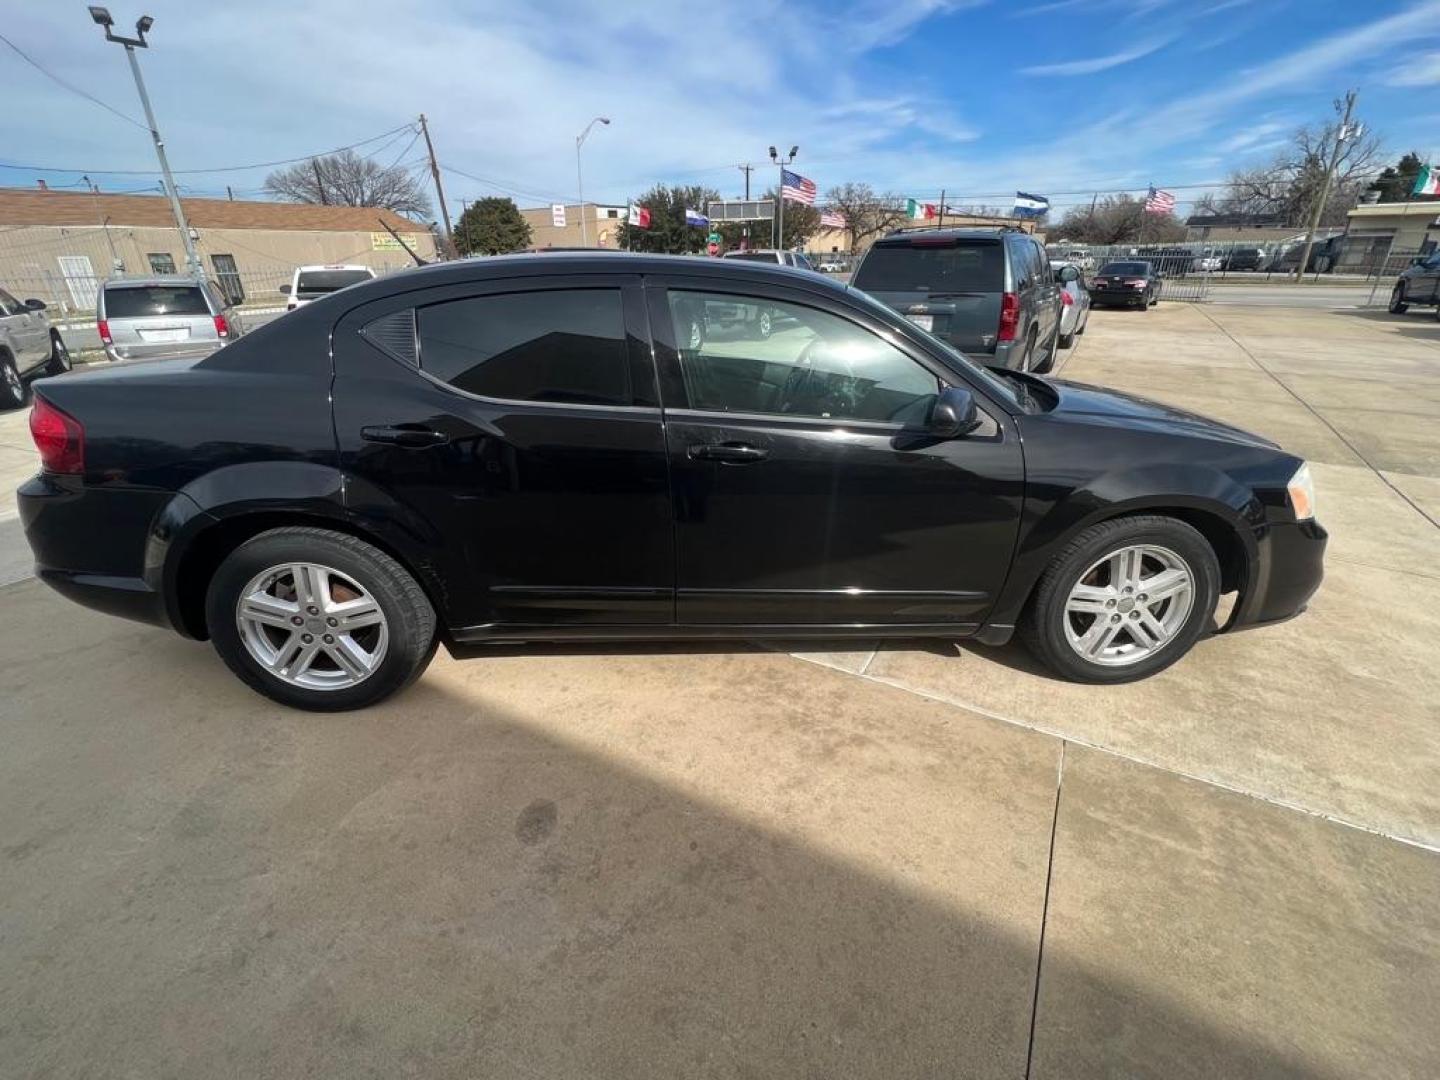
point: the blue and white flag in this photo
(1029, 206)
(694, 217)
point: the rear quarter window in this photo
(151, 300)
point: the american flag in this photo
(1159, 202)
(797, 188)
(832, 219)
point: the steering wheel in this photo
(832, 392)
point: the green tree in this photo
(491, 226)
(668, 234)
(801, 223)
(1397, 181)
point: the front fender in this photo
(1053, 514)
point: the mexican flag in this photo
(638, 217)
(918, 211)
(1428, 182)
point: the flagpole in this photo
(942, 209)
(780, 210)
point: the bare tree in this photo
(867, 214)
(1289, 185)
(1119, 219)
(347, 179)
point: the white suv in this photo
(313, 282)
(770, 255)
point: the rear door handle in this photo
(730, 453)
(413, 438)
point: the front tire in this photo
(1123, 600)
(1397, 300)
(59, 356)
(319, 620)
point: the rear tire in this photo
(1043, 366)
(1055, 627)
(1067, 341)
(1028, 356)
(13, 391)
(1397, 300)
(357, 571)
(59, 356)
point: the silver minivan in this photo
(165, 317)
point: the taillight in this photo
(221, 326)
(58, 436)
(1009, 316)
(1066, 299)
(104, 328)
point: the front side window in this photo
(9, 305)
(744, 355)
(561, 345)
(161, 262)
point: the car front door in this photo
(513, 428)
(807, 492)
(1425, 288)
(29, 332)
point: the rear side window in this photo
(565, 345)
(149, 300)
(965, 267)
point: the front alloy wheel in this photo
(1397, 300)
(59, 357)
(1123, 599)
(12, 387)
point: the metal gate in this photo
(1184, 270)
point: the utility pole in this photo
(747, 169)
(780, 195)
(439, 191)
(101, 17)
(229, 194)
(1342, 134)
(319, 182)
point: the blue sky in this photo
(913, 96)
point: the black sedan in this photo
(1133, 283)
(532, 448)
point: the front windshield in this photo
(1132, 269)
(951, 355)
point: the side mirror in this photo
(35, 305)
(285, 289)
(1069, 274)
(953, 414)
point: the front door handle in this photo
(412, 438)
(730, 453)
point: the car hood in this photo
(1082, 400)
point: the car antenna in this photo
(418, 260)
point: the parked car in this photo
(164, 318)
(1243, 258)
(312, 282)
(1169, 261)
(29, 348)
(524, 449)
(1074, 302)
(1209, 262)
(988, 292)
(1132, 283)
(831, 266)
(770, 255)
(1419, 285)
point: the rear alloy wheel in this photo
(1044, 365)
(765, 323)
(695, 335)
(1124, 599)
(59, 357)
(1397, 300)
(12, 387)
(319, 620)
(1029, 354)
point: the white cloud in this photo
(1421, 70)
(1098, 63)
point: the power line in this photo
(508, 190)
(219, 169)
(68, 86)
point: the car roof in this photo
(152, 281)
(753, 251)
(593, 261)
(903, 236)
(333, 266)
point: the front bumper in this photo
(1289, 571)
(1126, 297)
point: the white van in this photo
(313, 282)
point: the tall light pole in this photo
(142, 27)
(1342, 135)
(780, 194)
(580, 179)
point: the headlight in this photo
(1301, 490)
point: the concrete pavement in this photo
(724, 861)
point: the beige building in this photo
(59, 246)
(1403, 227)
(559, 226)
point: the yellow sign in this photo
(383, 241)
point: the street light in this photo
(101, 17)
(579, 178)
(780, 193)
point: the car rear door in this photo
(512, 429)
(807, 493)
(29, 332)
